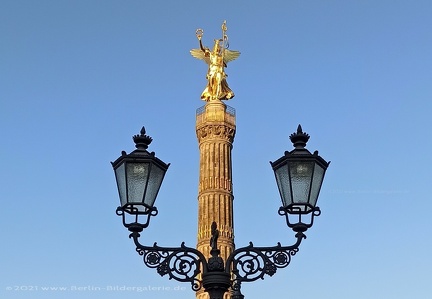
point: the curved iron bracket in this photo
(252, 263)
(180, 263)
(245, 264)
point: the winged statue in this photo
(217, 59)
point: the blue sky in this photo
(79, 78)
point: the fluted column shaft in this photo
(215, 128)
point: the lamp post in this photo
(299, 176)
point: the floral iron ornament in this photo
(217, 87)
(245, 264)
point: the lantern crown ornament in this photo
(299, 138)
(142, 141)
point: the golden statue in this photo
(217, 87)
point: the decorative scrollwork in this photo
(251, 263)
(181, 264)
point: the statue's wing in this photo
(230, 55)
(199, 54)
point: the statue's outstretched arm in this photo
(201, 45)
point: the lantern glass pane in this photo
(316, 184)
(283, 182)
(155, 181)
(137, 174)
(301, 176)
(121, 183)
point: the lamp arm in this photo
(251, 263)
(180, 263)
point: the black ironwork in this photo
(299, 225)
(179, 263)
(252, 263)
(246, 264)
(136, 225)
(215, 262)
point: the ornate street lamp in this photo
(139, 176)
(299, 176)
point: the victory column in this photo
(215, 129)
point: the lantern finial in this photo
(142, 140)
(300, 138)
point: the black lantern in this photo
(139, 176)
(299, 176)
